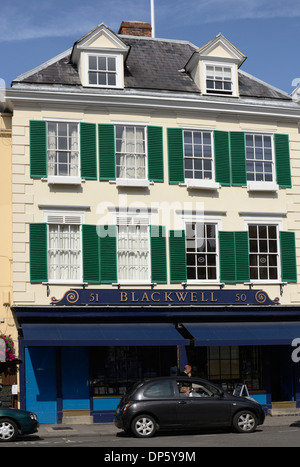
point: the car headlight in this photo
(33, 416)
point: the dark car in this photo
(184, 403)
(14, 422)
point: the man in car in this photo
(188, 391)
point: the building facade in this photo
(8, 327)
(156, 223)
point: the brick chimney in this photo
(135, 28)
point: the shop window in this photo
(229, 365)
(115, 370)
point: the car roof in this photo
(177, 378)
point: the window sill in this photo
(56, 180)
(204, 283)
(132, 182)
(255, 282)
(133, 283)
(202, 184)
(219, 94)
(262, 186)
(65, 282)
(98, 86)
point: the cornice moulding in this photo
(73, 98)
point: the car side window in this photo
(201, 389)
(159, 389)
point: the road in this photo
(172, 443)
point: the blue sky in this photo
(266, 31)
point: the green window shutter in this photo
(282, 160)
(222, 157)
(158, 254)
(175, 155)
(107, 158)
(227, 256)
(38, 148)
(177, 254)
(155, 154)
(108, 253)
(38, 253)
(242, 257)
(288, 256)
(90, 254)
(234, 257)
(88, 151)
(238, 158)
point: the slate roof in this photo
(151, 64)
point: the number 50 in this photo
(240, 297)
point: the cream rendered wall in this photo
(28, 193)
(7, 322)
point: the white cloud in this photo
(61, 18)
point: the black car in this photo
(184, 403)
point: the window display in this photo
(115, 369)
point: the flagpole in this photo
(152, 19)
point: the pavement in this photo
(109, 429)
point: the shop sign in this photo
(2, 350)
(162, 297)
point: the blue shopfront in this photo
(78, 358)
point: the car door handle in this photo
(182, 402)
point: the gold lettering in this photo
(202, 297)
(92, 297)
(123, 296)
(145, 297)
(181, 296)
(152, 296)
(132, 297)
(212, 297)
(193, 296)
(167, 297)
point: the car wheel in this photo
(8, 430)
(245, 422)
(143, 426)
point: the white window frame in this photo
(205, 219)
(209, 184)
(270, 221)
(65, 218)
(122, 218)
(118, 73)
(64, 179)
(224, 64)
(133, 182)
(253, 185)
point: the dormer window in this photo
(99, 57)
(103, 70)
(214, 67)
(219, 79)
